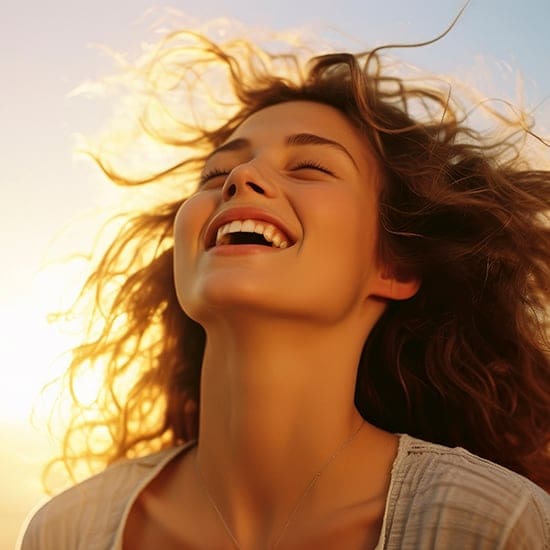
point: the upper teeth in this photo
(270, 232)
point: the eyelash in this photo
(314, 165)
(306, 164)
(214, 173)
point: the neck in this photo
(277, 400)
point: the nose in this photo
(246, 179)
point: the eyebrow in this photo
(233, 145)
(240, 144)
(312, 139)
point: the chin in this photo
(216, 293)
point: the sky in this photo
(51, 199)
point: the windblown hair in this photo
(463, 363)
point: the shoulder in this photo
(89, 514)
(451, 495)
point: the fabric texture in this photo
(439, 499)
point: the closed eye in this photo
(302, 165)
(312, 165)
(212, 174)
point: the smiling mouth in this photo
(247, 238)
(251, 232)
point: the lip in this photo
(240, 250)
(244, 213)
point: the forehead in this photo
(274, 123)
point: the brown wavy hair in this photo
(463, 363)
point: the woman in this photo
(355, 264)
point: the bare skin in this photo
(345, 510)
(285, 329)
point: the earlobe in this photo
(391, 287)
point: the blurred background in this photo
(53, 54)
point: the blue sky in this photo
(46, 50)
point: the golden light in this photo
(31, 357)
(34, 352)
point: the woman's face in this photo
(284, 221)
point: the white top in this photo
(439, 498)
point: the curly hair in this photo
(463, 363)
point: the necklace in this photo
(300, 499)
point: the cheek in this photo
(189, 225)
(346, 220)
(190, 222)
(342, 246)
(359, 222)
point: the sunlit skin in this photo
(285, 329)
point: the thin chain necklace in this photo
(300, 499)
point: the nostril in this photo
(232, 188)
(256, 187)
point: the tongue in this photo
(248, 238)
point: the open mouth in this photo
(251, 232)
(245, 238)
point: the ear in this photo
(394, 287)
